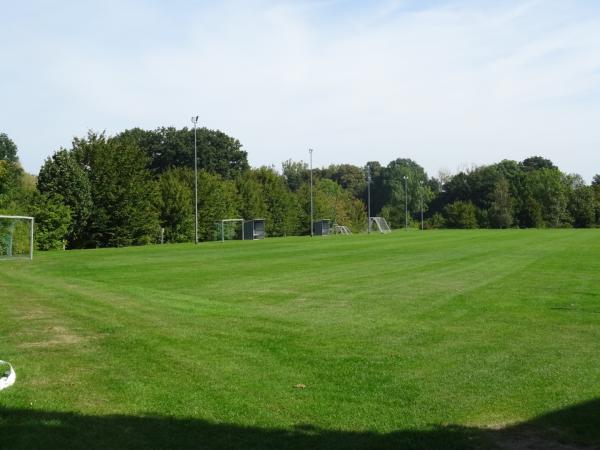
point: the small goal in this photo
(341, 229)
(381, 224)
(16, 237)
(229, 229)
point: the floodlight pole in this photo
(369, 198)
(421, 183)
(310, 151)
(195, 122)
(405, 203)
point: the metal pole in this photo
(405, 203)
(369, 197)
(195, 122)
(310, 151)
(422, 226)
(31, 240)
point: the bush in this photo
(461, 215)
(52, 222)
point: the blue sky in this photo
(450, 84)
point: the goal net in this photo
(381, 224)
(16, 237)
(341, 229)
(228, 229)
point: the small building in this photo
(322, 228)
(254, 229)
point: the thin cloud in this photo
(446, 83)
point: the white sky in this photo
(447, 83)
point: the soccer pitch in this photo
(440, 339)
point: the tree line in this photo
(137, 187)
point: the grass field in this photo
(441, 339)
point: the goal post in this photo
(16, 237)
(228, 229)
(381, 224)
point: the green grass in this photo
(442, 339)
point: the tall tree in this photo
(295, 173)
(11, 175)
(335, 203)
(537, 163)
(171, 147)
(596, 191)
(282, 206)
(404, 180)
(62, 176)
(549, 187)
(349, 177)
(582, 206)
(8, 149)
(251, 192)
(501, 212)
(123, 194)
(52, 221)
(217, 200)
(379, 191)
(175, 204)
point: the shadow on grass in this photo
(570, 428)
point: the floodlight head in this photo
(195, 119)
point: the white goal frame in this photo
(222, 224)
(381, 224)
(341, 229)
(31, 225)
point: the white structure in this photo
(233, 222)
(341, 229)
(381, 224)
(7, 378)
(16, 236)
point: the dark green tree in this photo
(335, 203)
(349, 177)
(296, 173)
(379, 191)
(8, 149)
(171, 147)
(124, 196)
(12, 176)
(398, 189)
(460, 215)
(500, 213)
(251, 192)
(582, 206)
(62, 175)
(176, 204)
(217, 199)
(537, 163)
(282, 207)
(52, 221)
(529, 213)
(550, 188)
